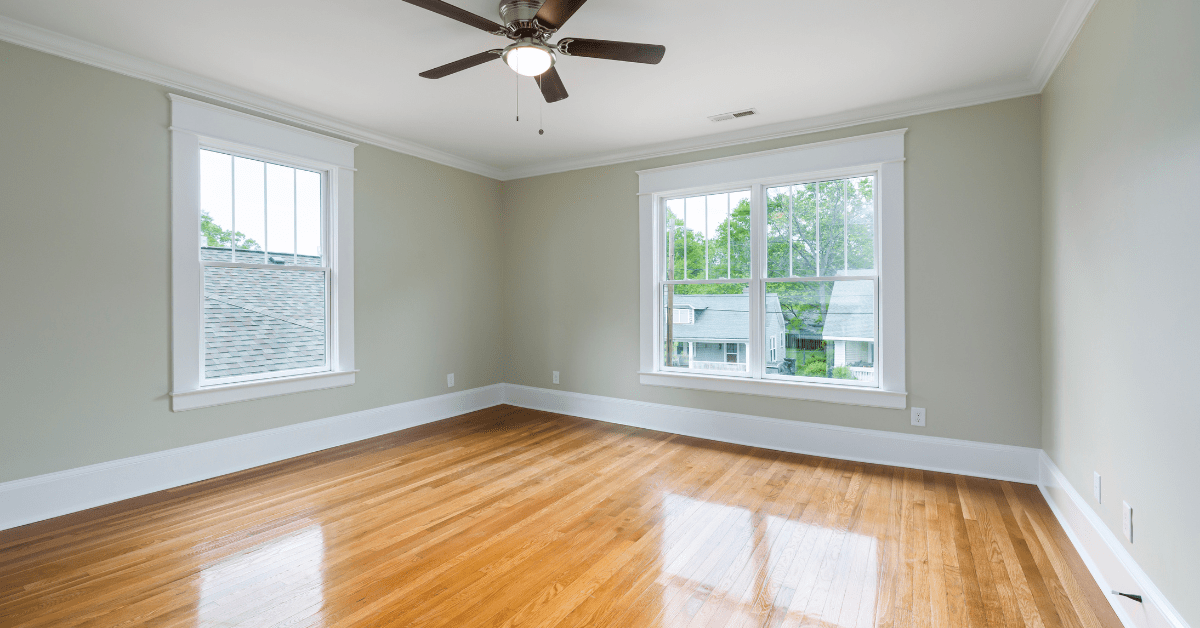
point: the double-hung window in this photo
(262, 237)
(790, 264)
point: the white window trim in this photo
(878, 153)
(196, 125)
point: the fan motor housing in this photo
(518, 10)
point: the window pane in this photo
(281, 214)
(673, 231)
(804, 230)
(695, 217)
(739, 234)
(719, 328)
(778, 203)
(308, 218)
(216, 205)
(860, 207)
(831, 207)
(717, 235)
(827, 330)
(261, 321)
(249, 210)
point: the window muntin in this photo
(265, 271)
(816, 231)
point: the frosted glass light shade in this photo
(528, 60)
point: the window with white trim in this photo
(796, 254)
(262, 262)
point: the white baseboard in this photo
(1002, 462)
(42, 497)
(1110, 563)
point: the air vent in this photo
(733, 115)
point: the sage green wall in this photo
(1121, 302)
(85, 301)
(973, 237)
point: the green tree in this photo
(217, 237)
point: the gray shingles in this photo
(260, 320)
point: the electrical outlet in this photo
(555, 377)
(918, 417)
(450, 380)
(1127, 520)
(1096, 487)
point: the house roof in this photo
(851, 313)
(724, 317)
(262, 320)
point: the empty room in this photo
(611, 314)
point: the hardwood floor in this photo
(510, 517)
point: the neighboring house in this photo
(850, 327)
(262, 320)
(710, 332)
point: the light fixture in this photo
(529, 58)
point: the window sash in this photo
(757, 351)
(325, 268)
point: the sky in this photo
(276, 206)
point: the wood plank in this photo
(512, 518)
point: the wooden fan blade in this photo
(552, 86)
(461, 64)
(614, 50)
(462, 15)
(555, 13)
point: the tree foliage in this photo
(215, 236)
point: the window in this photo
(262, 258)
(796, 255)
(684, 316)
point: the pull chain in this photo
(518, 85)
(541, 127)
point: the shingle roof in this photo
(262, 320)
(851, 311)
(724, 317)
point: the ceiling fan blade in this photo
(461, 64)
(462, 15)
(552, 86)
(614, 50)
(555, 13)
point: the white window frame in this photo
(690, 318)
(195, 126)
(880, 155)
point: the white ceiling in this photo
(802, 64)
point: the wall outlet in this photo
(1096, 487)
(1127, 520)
(450, 380)
(918, 417)
(555, 377)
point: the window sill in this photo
(848, 395)
(245, 391)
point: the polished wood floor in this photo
(510, 517)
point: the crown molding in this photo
(50, 42)
(1066, 28)
(878, 113)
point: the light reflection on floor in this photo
(784, 562)
(267, 585)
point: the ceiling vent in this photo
(733, 115)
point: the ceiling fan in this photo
(530, 24)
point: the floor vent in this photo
(733, 114)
